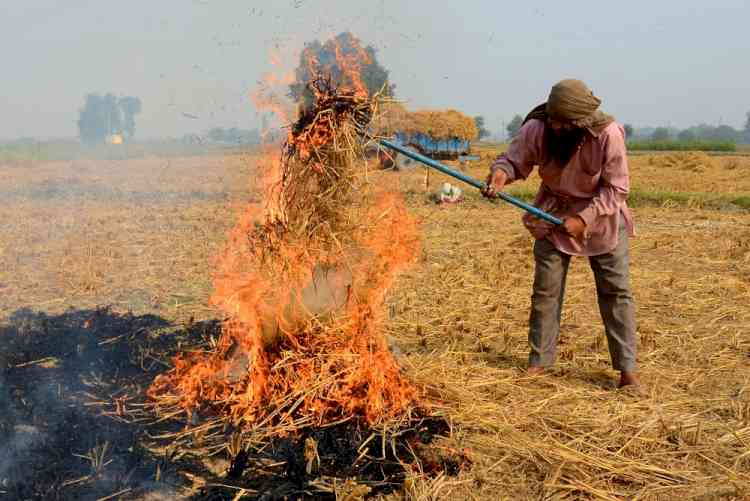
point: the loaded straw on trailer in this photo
(440, 135)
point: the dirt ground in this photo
(105, 269)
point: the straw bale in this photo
(439, 124)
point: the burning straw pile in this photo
(302, 281)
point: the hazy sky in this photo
(664, 62)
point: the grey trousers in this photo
(616, 306)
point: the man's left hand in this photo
(574, 226)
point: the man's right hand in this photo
(495, 182)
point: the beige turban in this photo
(571, 101)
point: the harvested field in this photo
(105, 272)
(81, 234)
(694, 172)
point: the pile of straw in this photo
(696, 161)
(302, 281)
(446, 124)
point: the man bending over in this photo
(581, 155)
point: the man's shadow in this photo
(66, 382)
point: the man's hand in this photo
(574, 226)
(495, 182)
(538, 228)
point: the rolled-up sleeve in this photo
(523, 153)
(614, 183)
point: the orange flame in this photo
(345, 67)
(351, 66)
(302, 342)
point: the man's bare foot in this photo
(535, 371)
(629, 379)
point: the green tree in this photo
(483, 132)
(746, 131)
(628, 131)
(339, 58)
(702, 131)
(233, 135)
(130, 107)
(725, 133)
(514, 127)
(660, 134)
(102, 116)
(686, 135)
(707, 132)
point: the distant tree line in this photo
(233, 135)
(103, 116)
(702, 132)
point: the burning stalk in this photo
(302, 281)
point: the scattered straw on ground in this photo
(458, 322)
(461, 320)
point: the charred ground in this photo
(74, 424)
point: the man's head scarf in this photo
(571, 101)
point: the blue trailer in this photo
(438, 149)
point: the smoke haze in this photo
(193, 64)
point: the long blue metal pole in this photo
(470, 180)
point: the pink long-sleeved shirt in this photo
(593, 185)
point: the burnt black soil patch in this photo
(370, 463)
(62, 380)
(73, 424)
